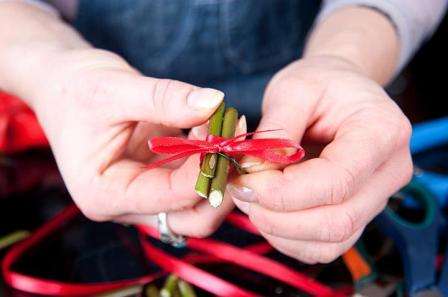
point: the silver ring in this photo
(166, 235)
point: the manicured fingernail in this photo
(205, 98)
(242, 193)
(250, 164)
(242, 125)
(243, 206)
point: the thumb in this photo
(286, 110)
(162, 101)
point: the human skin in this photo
(98, 112)
(332, 101)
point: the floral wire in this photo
(235, 163)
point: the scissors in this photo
(364, 273)
(418, 243)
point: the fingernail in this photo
(242, 125)
(250, 164)
(243, 206)
(205, 98)
(242, 193)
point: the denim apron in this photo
(232, 45)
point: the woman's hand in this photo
(98, 114)
(317, 209)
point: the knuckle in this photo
(326, 232)
(168, 95)
(338, 229)
(346, 227)
(395, 129)
(276, 196)
(159, 97)
(340, 189)
(404, 131)
(406, 171)
(343, 190)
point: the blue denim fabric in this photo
(232, 45)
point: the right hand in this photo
(98, 114)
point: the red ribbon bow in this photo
(263, 148)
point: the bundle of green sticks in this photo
(212, 178)
(174, 287)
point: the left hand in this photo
(317, 209)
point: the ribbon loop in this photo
(263, 148)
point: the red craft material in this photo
(210, 250)
(263, 148)
(19, 128)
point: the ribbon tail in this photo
(245, 135)
(171, 159)
(274, 157)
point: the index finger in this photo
(357, 150)
(127, 187)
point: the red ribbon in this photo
(263, 148)
(211, 250)
(42, 286)
(19, 128)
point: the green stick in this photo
(12, 238)
(170, 288)
(202, 186)
(208, 165)
(219, 182)
(186, 290)
(151, 291)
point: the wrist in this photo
(353, 34)
(26, 53)
(333, 61)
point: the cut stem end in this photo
(215, 198)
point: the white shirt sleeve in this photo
(415, 20)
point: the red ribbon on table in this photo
(248, 257)
(263, 148)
